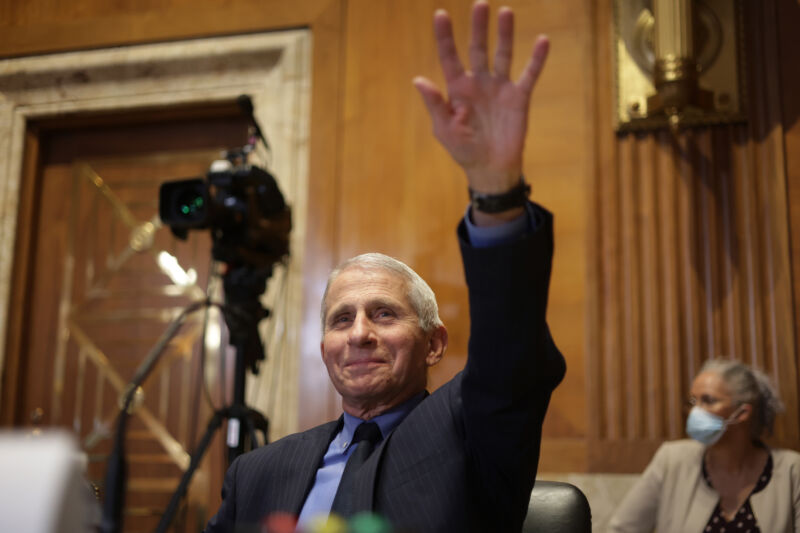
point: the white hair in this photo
(420, 294)
(751, 386)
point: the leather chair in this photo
(557, 507)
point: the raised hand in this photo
(483, 120)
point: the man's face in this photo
(376, 354)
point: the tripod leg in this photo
(251, 432)
(255, 421)
(258, 422)
(180, 492)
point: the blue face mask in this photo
(705, 427)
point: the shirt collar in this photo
(386, 421)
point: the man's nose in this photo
(362, 333)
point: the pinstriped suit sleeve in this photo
(225, 518)
(512, 368)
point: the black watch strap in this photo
(497, 203)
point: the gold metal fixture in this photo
(136, 403)
(678, 63)
(142, 236)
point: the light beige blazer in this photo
(672, 496)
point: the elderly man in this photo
(463, 458)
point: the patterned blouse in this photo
(744, 521)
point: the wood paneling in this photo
(788, 16)
(691, 262)
(318, 400)
(41, 26)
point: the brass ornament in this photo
(678, 63)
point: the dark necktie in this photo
(367, 435)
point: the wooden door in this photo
(98, 281)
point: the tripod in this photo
(242, 284)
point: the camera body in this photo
(242, 207)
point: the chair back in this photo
(557, 507)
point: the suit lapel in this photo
(301, 465)
(366, 483)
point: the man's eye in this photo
(385, 313)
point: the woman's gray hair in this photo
(420, 294)
(749, 385)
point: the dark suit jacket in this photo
(465, 458)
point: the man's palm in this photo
(483, 121)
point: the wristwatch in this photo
(497, 203)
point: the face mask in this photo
(705, 427)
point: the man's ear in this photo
(322, 349)
(437, 345)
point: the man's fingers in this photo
(433, 99)
(505, 39)
(535, 65)
(478, 55)
(446, 46)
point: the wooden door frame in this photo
(13, 375)
(21, 278)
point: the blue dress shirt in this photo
(323, 491)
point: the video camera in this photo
(242, 207)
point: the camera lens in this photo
(191, 206)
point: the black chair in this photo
(557, 507)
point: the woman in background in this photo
(725, 479)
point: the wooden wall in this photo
(788, 17)
(690, 259)
(668, 250)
